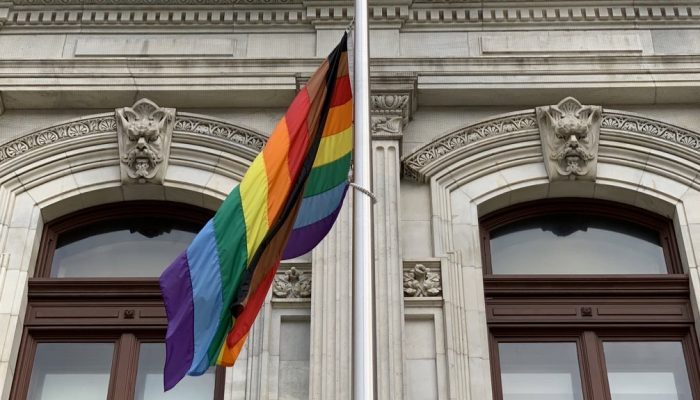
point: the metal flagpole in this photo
(363, 258)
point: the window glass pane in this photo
(540, 371)
(130, 247)
(576, 244)
(149, 379)
(647, 371)
(71, 371)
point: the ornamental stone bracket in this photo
(422, 280)
(389, 114)
(144, 132)
(570, 133)
(293, 283)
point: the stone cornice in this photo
(248, 141)
(423, 162)
(223, 15)
(152, 2)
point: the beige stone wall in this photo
(439, 68)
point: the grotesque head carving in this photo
(144, 132)
(569, 134)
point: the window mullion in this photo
(594, 367)
(124, 372)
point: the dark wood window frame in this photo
(589, 309)
(123, 311)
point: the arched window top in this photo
(136, 239)
(574, 237)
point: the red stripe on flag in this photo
(343, 91)
(250, 311)
(298, 132)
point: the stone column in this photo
(331, 312)
(390, 113)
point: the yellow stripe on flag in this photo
(254, 201)
(334, 147)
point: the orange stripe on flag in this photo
(277, 169)
(339, 119)
(228, 355)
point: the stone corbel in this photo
(570, 134)
(390, 112)
(144, 132)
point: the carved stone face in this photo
(569, 133)
(144, 149)
(144, 131)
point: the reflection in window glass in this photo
(149, 380)
(540, 371)
(575, 244)
(647, 371)
(126, 248)
(71, 371)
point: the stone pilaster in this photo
(331, 312)
(390, 113)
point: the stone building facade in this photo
(481, 111)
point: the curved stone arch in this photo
(498, 162)
(431, 158)
(76, 164)
(241, 140)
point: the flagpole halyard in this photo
(363, 259)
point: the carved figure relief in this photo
(570, 134)
(420, 282)
(144, 131)
(293, 284)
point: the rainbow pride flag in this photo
(285, 204)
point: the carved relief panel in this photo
(419, 280)
(144, 131)
(570, 133)
(292, 284)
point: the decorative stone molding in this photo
(390, 112)
(631, 123)
(144, 132)
(415, 163)
(422, 162)
(419, 281)
(201, 125)
(152, 2)
(570, 133)
(292, 284)
(249, 142)
(416, 15)
(101, 123)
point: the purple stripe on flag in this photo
(176, 286)
(303, 239)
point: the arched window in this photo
(587, 300)
(95, 321)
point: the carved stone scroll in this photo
(293, 284)
(144, 132)
(570, 133)
(389, 114)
